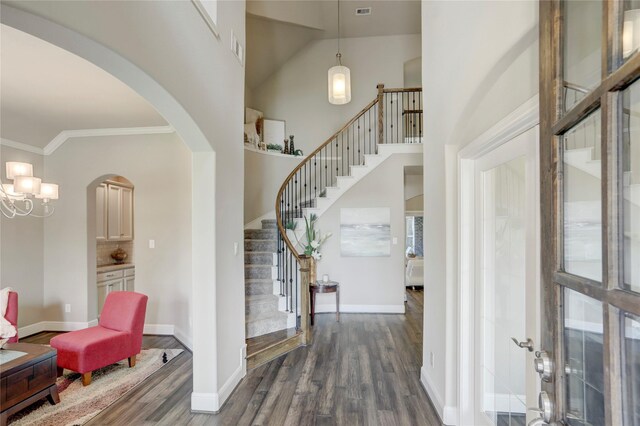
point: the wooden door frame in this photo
(521, 120)
(607, 96)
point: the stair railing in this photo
(394, 116)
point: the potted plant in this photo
(311, 241)
(274, 147)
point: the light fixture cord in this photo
(339, 55)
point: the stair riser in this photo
(259, 288)
(259, 259)
(269, 224)
(262, 307)
(260, 272)
(259, 328)
(260, 234)
(260, 245)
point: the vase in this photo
(286, 147)
(292, 148)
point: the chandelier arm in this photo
(7, 210)
(48, 211)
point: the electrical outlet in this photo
(152, 244)
(67, 307)
(432, 360)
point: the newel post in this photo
(380, 113)
(307, 276)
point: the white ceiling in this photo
(45, 90)
(277, 29)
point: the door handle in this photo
(526, 344)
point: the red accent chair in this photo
(12, 314)
(117, 336)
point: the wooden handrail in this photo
(281, 228)
(403, 89)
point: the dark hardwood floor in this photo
(363, 370)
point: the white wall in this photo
(265, 173)
(368, 284)
(297, 93)
(202, 97)
(474, 74)
(159, 166)
(21, 248)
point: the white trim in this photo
(204, 402)
(213, 402)
(183, 338)
(29, 330)
(519, 121)
(65, 135)
(360, 309)
(275, 153)
(448, 415)
(21, 146)
(159, 329)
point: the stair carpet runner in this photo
(262, 301)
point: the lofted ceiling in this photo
(278, 29)
(45, 90)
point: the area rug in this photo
(79, 404)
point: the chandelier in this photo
(16, 199)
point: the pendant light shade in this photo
(339, 84)
(339, 77)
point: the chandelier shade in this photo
(16, 199)
(339, 85)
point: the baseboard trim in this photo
(228, 387)
(159, 329)
(448, 414)
(29, 330)
(361, 309)
(204, 402)
(183, 338)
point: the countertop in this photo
(114, 267)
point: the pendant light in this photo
(339, 77)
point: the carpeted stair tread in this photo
(259, 258)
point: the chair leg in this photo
(86, 379)
(132, 361)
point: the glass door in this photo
(590, 212)
(507, 323)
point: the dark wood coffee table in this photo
(27, 379)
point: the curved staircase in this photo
(277, 276)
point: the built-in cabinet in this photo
(114, 212)
(115, 279)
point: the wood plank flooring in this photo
(363, 370)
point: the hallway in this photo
(363, 370)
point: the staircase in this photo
(265, 307)
(277, 276)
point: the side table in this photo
(324, 287)
(27, 378)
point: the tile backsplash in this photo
(105, 248)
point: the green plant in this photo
(314, 239)
(274, 147)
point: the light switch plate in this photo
(395, 241)
(152, 244)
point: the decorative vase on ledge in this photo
(292, 148)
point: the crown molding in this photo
(65, 135)
(21, 146)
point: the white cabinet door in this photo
(126, 213)
(129, 284)
(103, 290)
(113, 215)
(101, 212)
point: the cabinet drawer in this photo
(129, 272)
(110, 275)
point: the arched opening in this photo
(201, 207)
